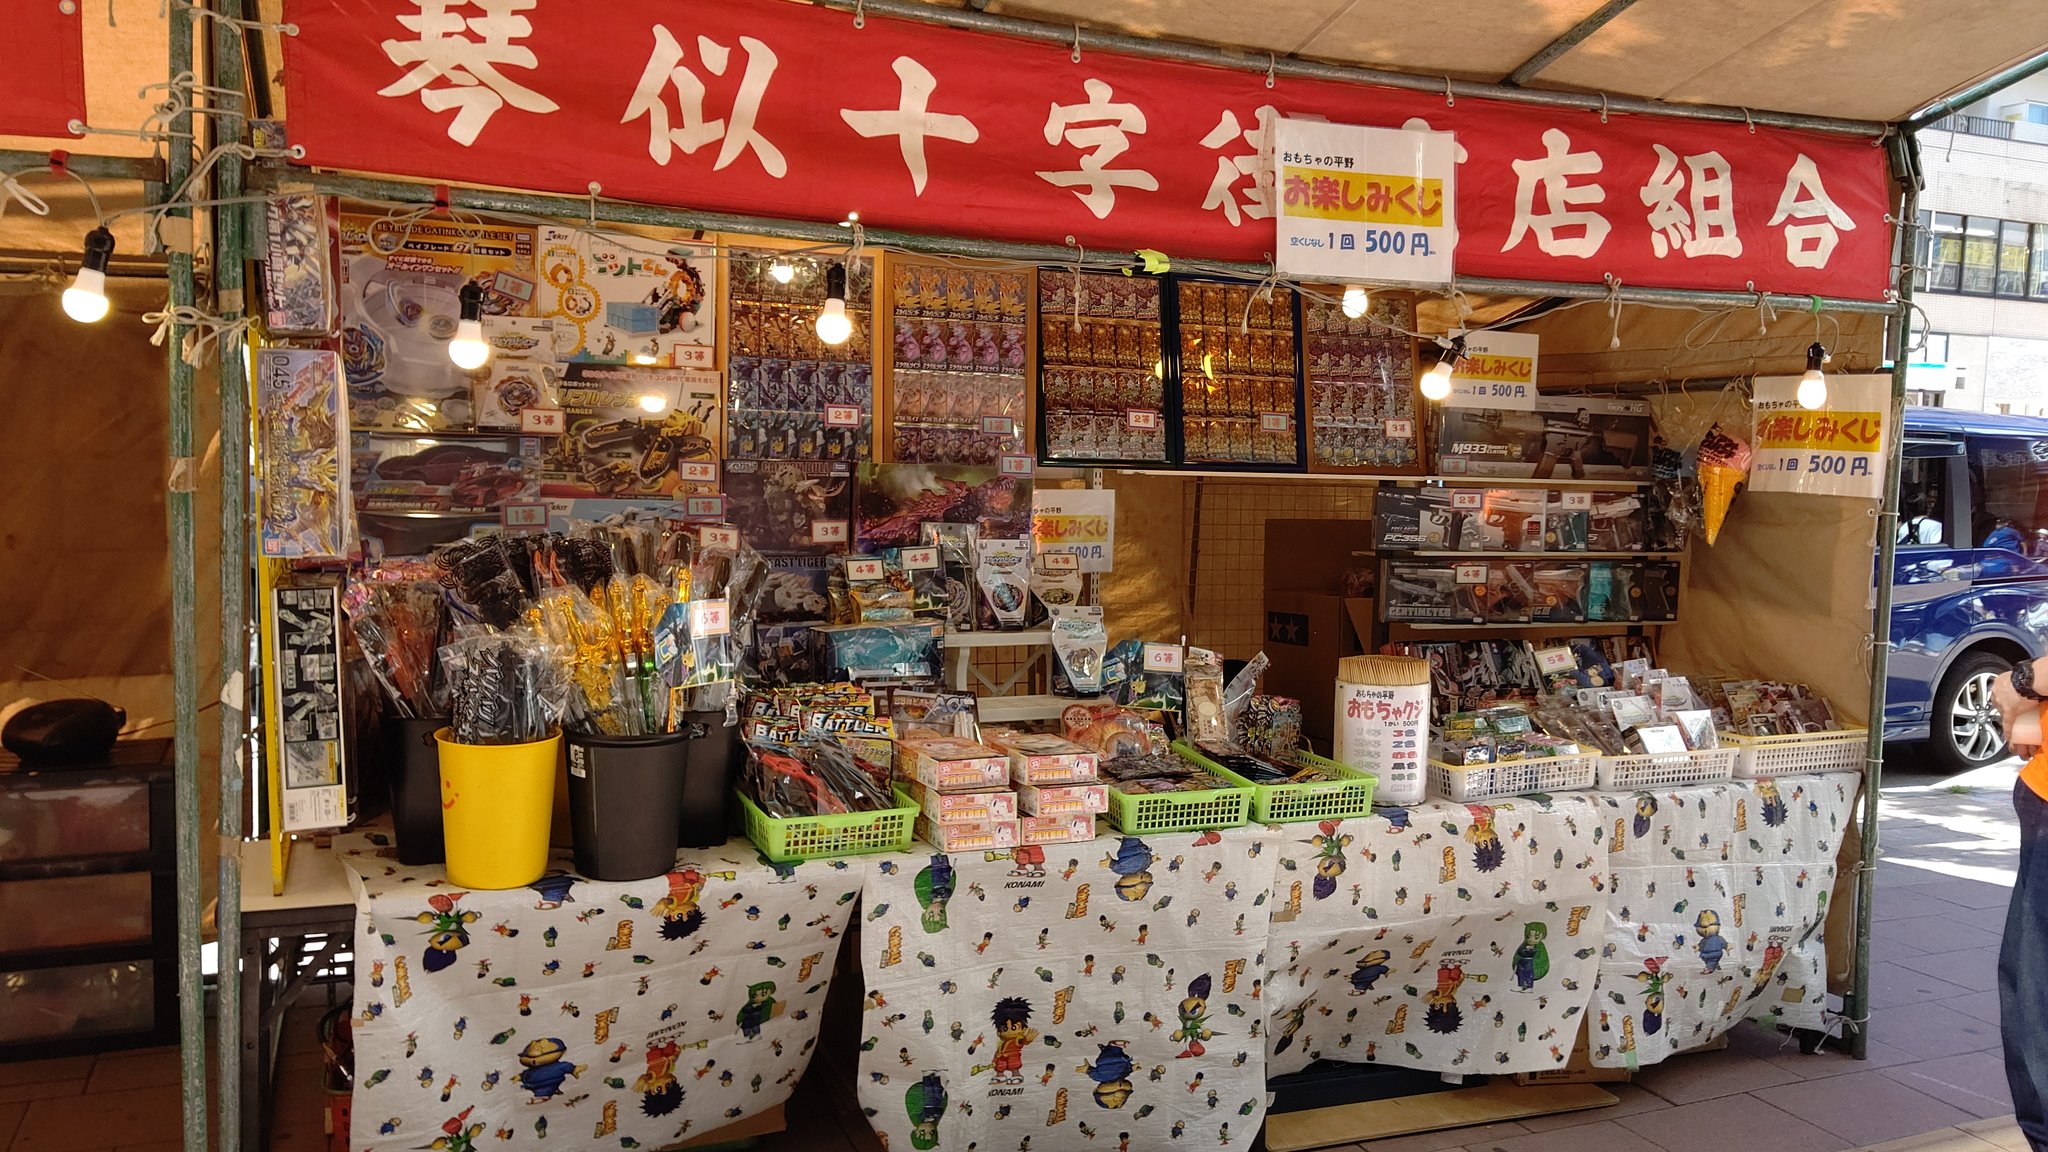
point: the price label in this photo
(1466, 500)
(693, 356)
(541, 421)
(863, 569)
(1162, 658)
(1059, 561)
(1142, 419)
(1017, 465)
(524, 517)
(920, 559)
(1400, 429)
(828, 531)
(709, 618)
(842, 416)
(726, 538)
(1553, 660)
(1275, 422)
(1577, 501)
(698, 471)
(1471, 573)
(704, 507)
(998, 426)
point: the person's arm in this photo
(2011, 705)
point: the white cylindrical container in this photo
(1382, 723)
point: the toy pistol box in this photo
(1563, 437)
(964, 807)
(1062, 799)
(967, 837)
(1042, 758)
(948, 763)
(1056, 829)
(1444, 592)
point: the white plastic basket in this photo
(1620, 773)
(1511, 778)
(1800, 754)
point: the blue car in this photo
(1970, 586)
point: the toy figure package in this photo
(782, 654)
(396, 473)
(1575, 437)
(957, 544)
(522, 372)
(897, 499)
(302, 509)
(789, 506)
(868, 651)
(298, 257)
(401, 281)
(631, 433)
(622, 300)
(794, 588)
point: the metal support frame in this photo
(184, 639)
(1572, 38)
(2005, 78)
(144, 168)
(229, 245)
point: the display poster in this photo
(302, 456)
(1720, 893)
(1077, 520)
(626, 301)
(1496, 370)
(1364, 204)
(1837, 449)
(305, 685)
(575, 1013)
(896, 499)
(1457, 938)
(790, 112)
(1105, 994)
(46, 70)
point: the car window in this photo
(1923, 498)
(2009, 494)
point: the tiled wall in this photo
(1230, 532)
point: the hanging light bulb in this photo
(1355, 301)
(468, 349)
(86, 300)
(1813, 386)
(834, 325)
(1436, 383)
(782, 271)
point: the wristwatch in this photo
(2023, 679)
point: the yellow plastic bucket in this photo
(497, 801)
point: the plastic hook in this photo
(1272, 63)
(1603, 107)
(1749, 120)
(1450, 100)
(860, 13)
(1076, 56)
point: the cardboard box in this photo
(1055, 829)
(1063, 799)
(968, 837)
(1307, 633)
(1042, 758)
(950, 764)
(964, 807)
(1576, 1070)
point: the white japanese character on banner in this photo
(1805, 198)
(1106, 137)
(444, 51)
(910, 122)
(1562, 200)
(665, 69)
(1708, 229)
(1256, 163)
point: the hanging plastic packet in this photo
(919, 574)
(503, 688)
(1079, 641)
(1204, 688)
(956, 544)
(1001, 574)
(1056, 581)
(1240, 690)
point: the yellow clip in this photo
(1156, 262)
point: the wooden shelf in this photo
(1029, 638)
(1536, 555)
(1010, 709)
(1390, 478)
(1562, 629)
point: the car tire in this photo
(1965, 732)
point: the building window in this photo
(1945, 253)
(1933, 348)
(2012, 258)
(2037, 278)
(1980, 255)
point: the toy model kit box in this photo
(950, 764)
(303, 454)
(1062, 799)
(397, 473)
(1042, 758)
(885, 651)
(964, 807)
(783, 654)
(635, 434)
(967, 837)
(1439, 592)
(621, 300)
(896, 500)
(1563, 437)
(1055, 829)
(791, 505)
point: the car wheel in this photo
(1967, 732)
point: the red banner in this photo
(787, 110)
(46, 82)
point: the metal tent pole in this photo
(2006, 78)
(1572, 38)
(145, 168)
(228, 278)
(184, 640)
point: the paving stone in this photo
(1865, 1107)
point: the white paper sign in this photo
(1498, 370)
(1384, 729)
(1364, 204)
(1077, 520)
(1835, 450)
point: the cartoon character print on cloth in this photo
(578, 1014)
(1105, 995)
(1448, 937)
(1720, 898)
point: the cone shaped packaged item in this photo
(1724, 463)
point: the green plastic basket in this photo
(1136, 813)
(1347, 796)
(823, 837)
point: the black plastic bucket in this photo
(413, 764)
(707, 790)
(625, 796)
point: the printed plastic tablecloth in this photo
(1720, 893)
(574, 1013)
(1087, 995)
(1446, 937)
